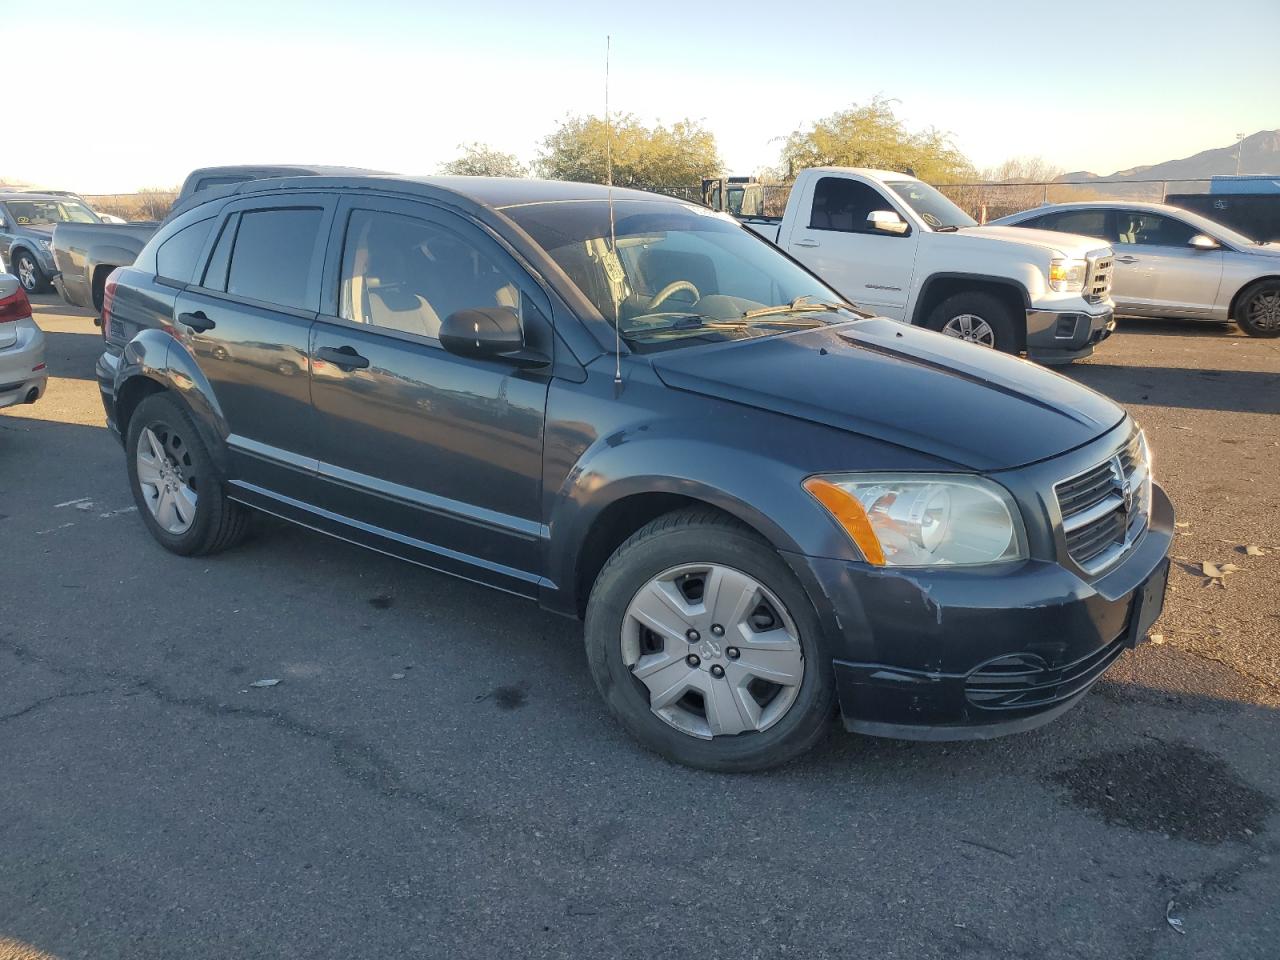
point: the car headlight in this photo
(1067, 276)
(918, 520)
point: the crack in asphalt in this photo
(43, 701)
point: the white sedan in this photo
(23, 374)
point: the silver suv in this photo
(1174, 263)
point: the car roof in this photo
(1088, 204)
(282, 170)
(33, 195)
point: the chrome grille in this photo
(1097, 284)
(1105, 508)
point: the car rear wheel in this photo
(975, 318)
(706, 648)
(1259, 310)
(174, 483)
(29, 273)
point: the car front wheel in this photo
(706, 648)
(29, 273)
(975, 318)
(1259, 311)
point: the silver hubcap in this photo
(972, 328)
(717, 651)
(1264, 310)
(27, 273)
(166, 478)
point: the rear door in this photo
(425, 453)
(1163, 276)
(871, 267)
(247, 318)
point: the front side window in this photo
(844, 205)
(1086, 223)
(670, 271)
(1151, 229)
(45, 213)
(405, 274)
(176, 257)
(272, 257)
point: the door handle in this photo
(1126, 259)
(344, 358)
(808, 243)
(196, 321)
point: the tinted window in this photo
(1087, 223)
(405, 274)
(176, 258)
(215, 274)
(1151, 229)
(844, 205)
(271, 260)
(206, 183)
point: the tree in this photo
(482, 160)
(664, 159)
(873, 136)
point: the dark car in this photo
(764, 503)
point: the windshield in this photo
(48, 212)
(677, 273)
(934, 208)
(1215, 229)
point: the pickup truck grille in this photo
(1105, 508)
(1097, 284)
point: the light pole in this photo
(1239, 150)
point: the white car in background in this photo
(1171, 262)
(23, 374)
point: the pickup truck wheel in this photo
(976, 318)
(706, 648)
(174, 483)
(29, 273)
(1259, 310)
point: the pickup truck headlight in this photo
(1067, 276)
(920, 520)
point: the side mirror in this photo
(888, 221)
(488, 333)
(1202, 241)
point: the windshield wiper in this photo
(949, 228)
(802, 304)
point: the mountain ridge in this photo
(1259, 156)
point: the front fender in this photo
(157, 356)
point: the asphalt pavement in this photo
(435, 776)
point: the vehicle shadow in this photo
(72, 356)
(1233, 391)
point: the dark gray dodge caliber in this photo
(767, 506)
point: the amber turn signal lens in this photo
(844, 506)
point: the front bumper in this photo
(23, 376)
(955, 654)
(1060, 336)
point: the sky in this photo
(135, 93)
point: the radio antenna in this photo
(613, 239)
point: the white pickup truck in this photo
(898, 247)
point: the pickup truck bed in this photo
(86, 253)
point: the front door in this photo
(1157, 273)
(425, 453)
(870, 267)
(247, 319)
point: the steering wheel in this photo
(665, 293)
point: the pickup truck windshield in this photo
(48, 212)
(933, 207)
(677, 272)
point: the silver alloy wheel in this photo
(27, 273)
(1263, 311)
(717, 650)
(167, 479)
(971, 328)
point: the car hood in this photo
(973, 407)
(1069, 244)
(1270, 249)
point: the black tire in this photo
(989, 308)
(1258, 313)
(27, 267)
(219, 522)
(702, 535)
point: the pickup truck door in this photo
(440, 453)
(1157, 273)
(830, 235)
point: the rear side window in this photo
(176, 257)
(1087, 223)
(272, 256)
(215, 274)
(844, 205)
